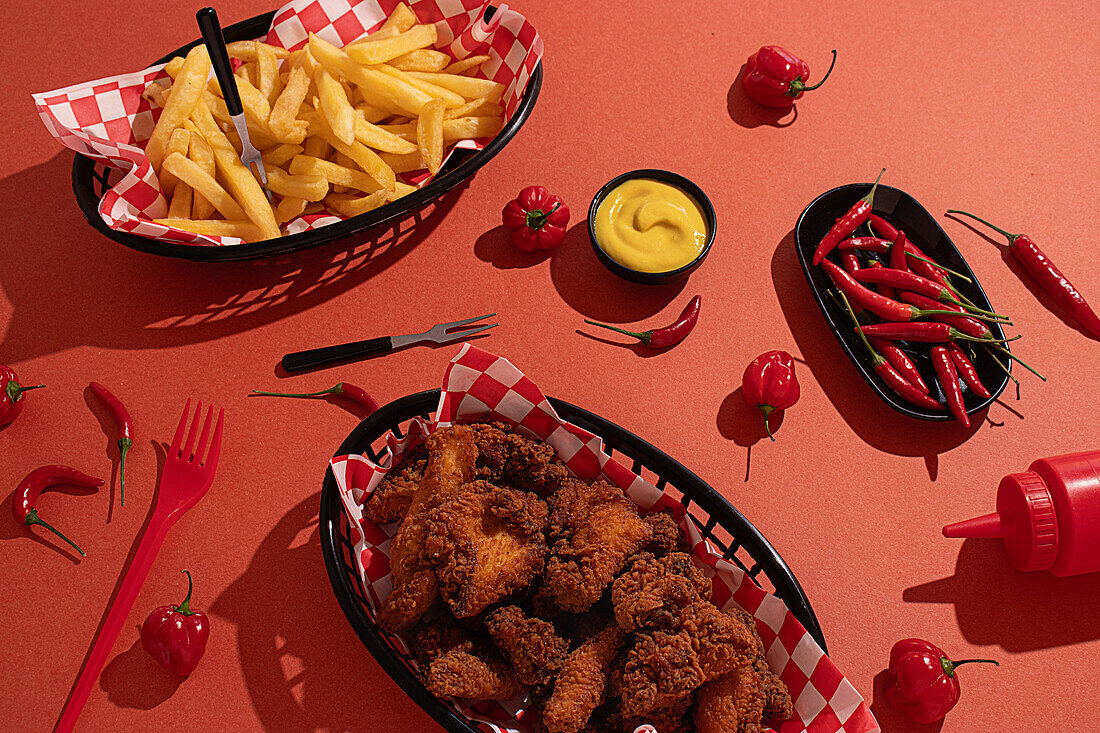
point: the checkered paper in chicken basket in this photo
(479, 385)
(109, 120)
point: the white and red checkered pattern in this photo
(108, 119)
(480, 385)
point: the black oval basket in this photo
(92, 179)
(724, 527)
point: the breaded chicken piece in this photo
(485, 542)
(721, 640)
(451, 461)
(581, 684)
(675, 718)
(391, 499)
(461, 674)
(662, 669)
(533, 647)
(437, 638)
(505, 456)
(652, 591)
(596, 529)
(777, 698)
(733, 703)
(667, 534)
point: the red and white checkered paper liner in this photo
(108, 119)
(479, 385)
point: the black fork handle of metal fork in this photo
(301, 361)
(211, 31)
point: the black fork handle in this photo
(301, 361)
(211, 31)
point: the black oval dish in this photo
(91, 181)
(902, 210)
(675, 179)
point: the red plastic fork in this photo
(187, 476)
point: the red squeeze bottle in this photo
(1047, 517)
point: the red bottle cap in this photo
(1024, 521)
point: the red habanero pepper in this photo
(770, 385)
(885, 308)
(42, 479)
(920, 680)
(881, 228)
(11, 395)
(536, 219)
(900, 361)
(845, 225)
(660, 338)
(1049, 277)
(775, 77)
(966, 370)
(176, 636)
(358, 395)
(125, 432)
(949, 380)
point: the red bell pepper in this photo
(775, 77)
(770, 384)
(176, 636)
(536, 219)
(11, 396)
(920, 680)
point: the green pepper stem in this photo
(950, 666)
(33, 518)
(767, 410)
(971, 309)
(124, 445)
(185, 607)
(963, 277)
(870, 197)
(1012, 356)
(1005, 370)
(644, 336)
(1011, 237)
(964, 337)
(16, 390)
(798, 86)
(336, 389)
(921, 312)
(875, 356)
(536, 218)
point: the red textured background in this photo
(985, 108)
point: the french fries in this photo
(335, 127)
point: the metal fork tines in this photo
(250, 156)
(440, 333)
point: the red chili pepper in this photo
(125, 432)
(536, 219)
(885, 308)
(970, 326)
(176, 636)
(11, 395)
(770, 385)
(358, 395)
(850, 261)
(898, 260)
(923, 331)
(660, 338)
(1049, 277)
(903, 280)
(966, 370)
(847, 224)
(43, 479)
(949, 380)
(914, 258)
(884, 290)
(866, 244)
(900, 361)
(881, 227)
(920, 680)
(775, 77)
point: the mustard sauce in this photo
(650, 226)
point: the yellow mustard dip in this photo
(650, 226)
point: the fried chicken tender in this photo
(653, 591)
(582, 682)
(462, 674)
(667, 535)
(505, 456)
(777, 698)
(451, 461)
(435, 639)
(596, 529)
(721, 640)
(662, 669)
(534, 648)
(391, 499)
(671, 719)
(485, 542)
(732, 703)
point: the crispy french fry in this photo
(308, 187)
(463, 128)
(241, 229)
(429, 134)
(180, 208)
(289, 209)
(375, 137)
(376, 88)
(422, 59)
(186, 92)
(335, 174)
(402, 189)
(379, 52)
(190, 173)
(468, 109)
(465, 64)
(259, 133)
(172, 68)
(316, 147)
(267, 65)
(246, 50)
(468, 86)
(200, 152)
(363, 156)
(158, 93)
(178, 143)
(247, 72)
(281, 155)
(402, 18)
(436, 92)
(371, 114)
(338, 112)
(404, 163)
(379, 35)
(285, 112)
(354, 206)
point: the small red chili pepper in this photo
(11, 395)
(775, 77)
(850, 261)
(920, 680)
(881, 228)
(358, 395)
(885, 308)
(845, 225)
(866, 244)
(660, 338)
(966, 370)
(898, 260)
(176, 636)
(903, 280)
(900, 361)
(923, 331)
(949, 380)
(915, 259)
(43, 479)
(125, 432)
(770, 385)
(536, 219)
(884, 290)
(966, 324)
(1049, 277)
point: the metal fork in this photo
(188, 473)
(300, 361)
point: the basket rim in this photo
(84, 176)
(390, 415)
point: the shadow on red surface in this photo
(495, 247)
(997, 604)
(744, 424)
(895, 721)
(69, 286)
(748, 113)
(133, 679)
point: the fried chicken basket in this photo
(795, 637)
